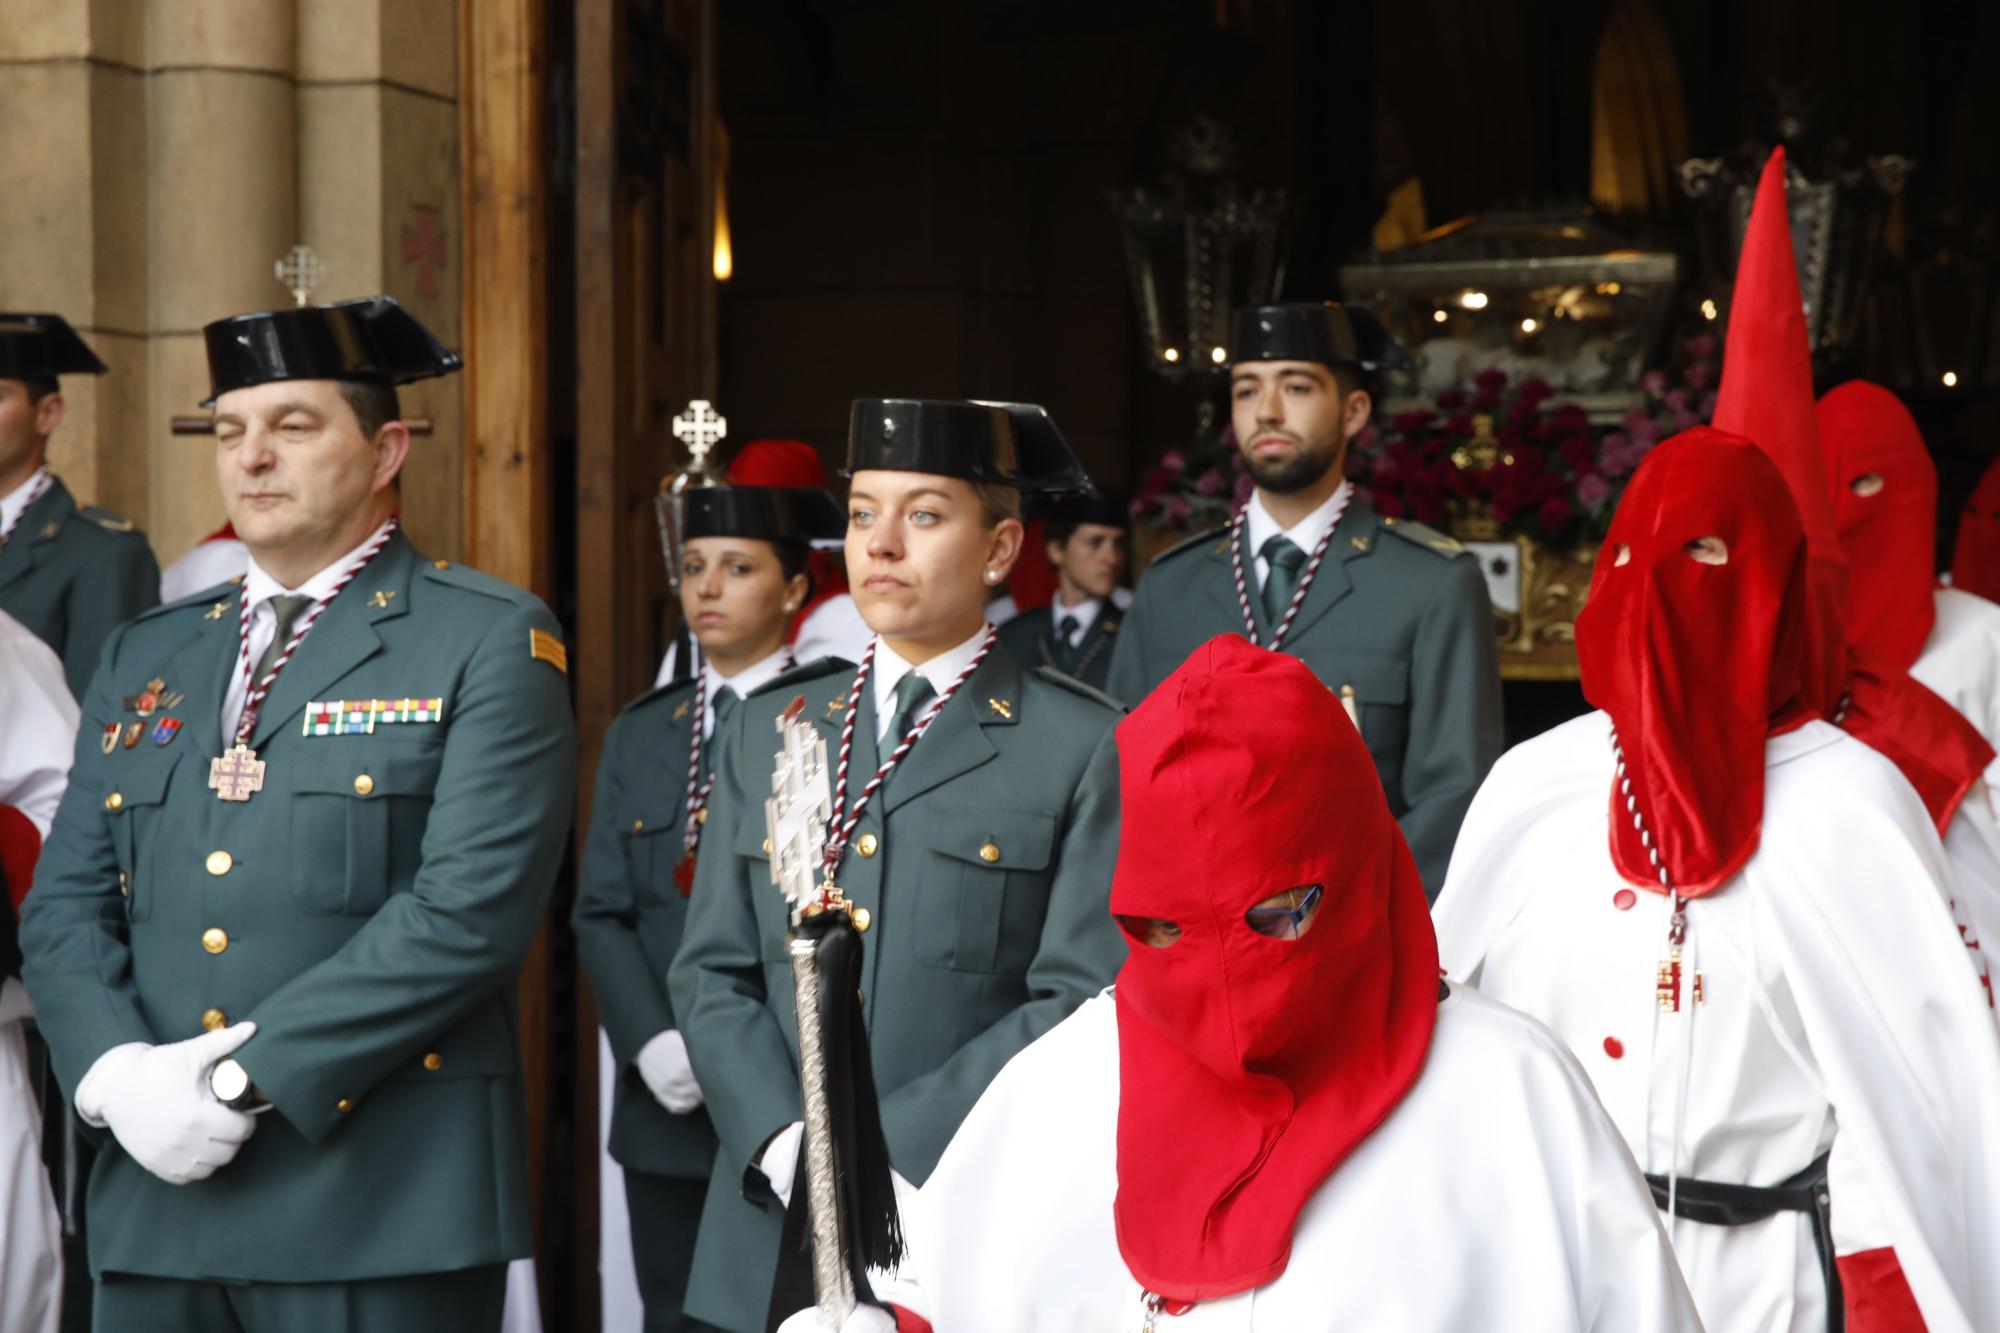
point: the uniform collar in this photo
(15, 501)
(940, 671)
(1085, 612)
(260, 587)
(745, 682)
(1260, 527)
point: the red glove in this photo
(1876, 1294)
(20, 848)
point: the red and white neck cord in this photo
(39, 488)
(843, 820)
(1676, 937)
(697, 790)
(1340, 498)
(254, 699)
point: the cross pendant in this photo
(236, 774)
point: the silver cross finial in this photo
(700, 428)
(300, 271)
(796, 813)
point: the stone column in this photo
(222, 149)
(378, 169)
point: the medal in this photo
(236, 774)
(110, 740)
(166, 729)
(133, 730)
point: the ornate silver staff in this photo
(795, 816)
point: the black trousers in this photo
(470, 1299)
(666, 1214)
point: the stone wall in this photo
(162, 155)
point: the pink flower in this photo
(1592, 489)
(1211, 483)
(1175, 512)
(1174, 462)
(1684, 421)
(1701, 347)
(1647, 432)
(1654, 382)
(1675, 400)
(1698, 374)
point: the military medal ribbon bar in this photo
(360, 717)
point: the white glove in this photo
(781, 1160)
(155, 1099)
(865, 1319)
(663, 1063)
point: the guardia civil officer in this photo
(68, 573)
(1086, 544)
(975, 825)
(740, 556)
(1390, 614)
(311, 827)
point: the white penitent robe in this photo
(37, 737)
(1835, 1012)
(1495, 1196)
(1961, 662)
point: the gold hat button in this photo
(218, 863)
(867, 844)
(114, 801)
(862, 919)
(989, 853)
(213, 1020)
(433, 1061)
(343, 1106)
(363, 784)
(215, 939)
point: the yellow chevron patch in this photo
(546, 647)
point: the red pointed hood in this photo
(1766, 396)
(1975, 560)
(1250, 1066)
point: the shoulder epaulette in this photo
(223, 594)
(1417, 534)
(107, 520)
(805, 673)
(1218, 536)
(1076, 687)
(454, 575)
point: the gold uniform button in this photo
(215, 939)
(862, 919)
(363, 784)
(638, 824)
(343, 1106)
(767, 846)
(989, 853)
(218, 863)
(114, 801)
(433, 1061)
(124, 884)
(213, 1020)
(867, 844)
(439, 564)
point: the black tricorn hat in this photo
(34, 347)
(1000, 444)
(1068, 512)
(370, 341)
(768, 513)
(1323, 331)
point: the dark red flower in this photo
(1554, 515)
(1451, 399)
(1491, 380)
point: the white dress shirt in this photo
(940, 671)
(1260, 527)
(260, 587)
(16, 500)
(753, 677)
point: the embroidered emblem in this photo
(546, 647)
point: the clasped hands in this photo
(156, 1101)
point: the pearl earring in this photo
(992, 576)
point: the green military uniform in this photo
(984, 864)
(73, 574)
(1398, 612)
(367, 910)
(629, 916)
(1032, 640)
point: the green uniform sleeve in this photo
(102, 600)
(75, 941)
(1129, 677)
(499, 819)
(1456, 726)
(739, 1052)
(631, 1000)
(1080, 953)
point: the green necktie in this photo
(289, 609)
(912, 693)
(1066, 643)
(725, 703)
(1285, 559)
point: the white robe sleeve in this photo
(38, 721)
